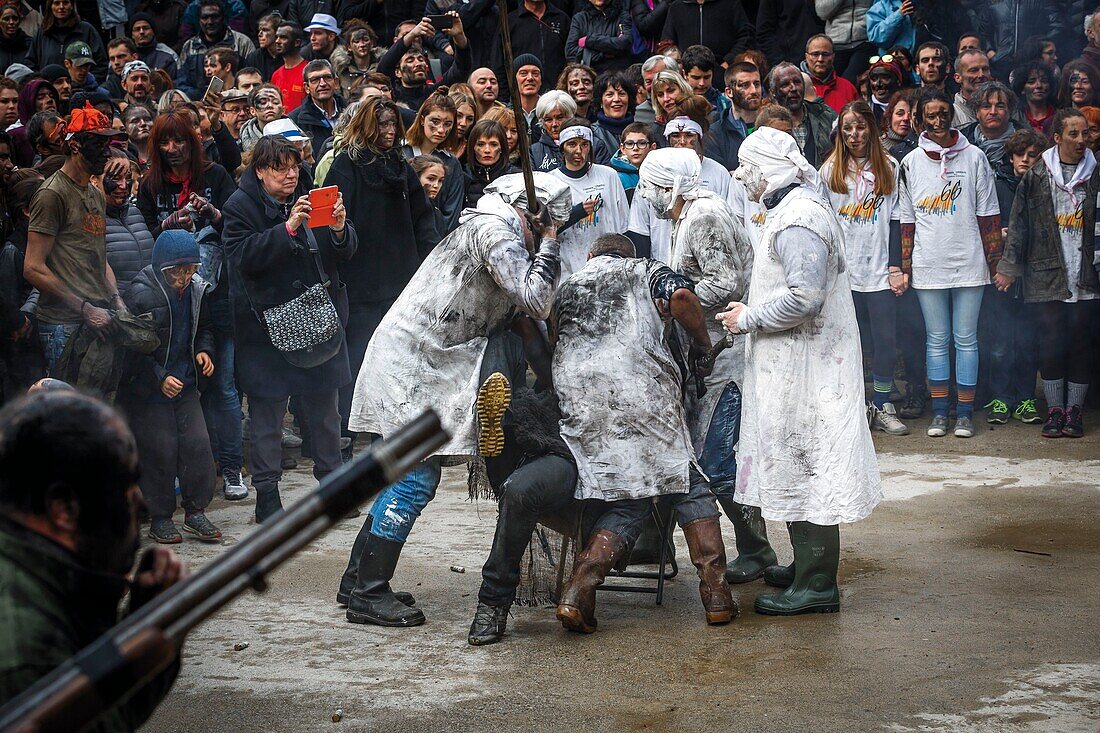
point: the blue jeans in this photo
(718, 459)
(395, 510)
(952, 312)
(54, 336)
(220, 400)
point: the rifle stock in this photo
(135, 650)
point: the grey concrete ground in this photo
(950, 621)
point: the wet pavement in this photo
(969, 604)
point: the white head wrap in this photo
(549, 190)
(777, 156)
(575, 131)
(667, 173)
(683, 124)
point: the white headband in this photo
(683, 124)
(575, 131)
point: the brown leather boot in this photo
(577, 609)
(708, 554)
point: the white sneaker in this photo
(886, 420)
(234, 488)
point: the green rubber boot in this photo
(754, 553)
(816, 561)
(780, 576)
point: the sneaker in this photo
(915, 401)
(886, 420)
(198, 525)
(1026, 413)
(964, 427)
(290, 440)
(938, 428)
(1056, 421)
(998, 412)
(493, 398)
(164, 532)
(1075, 426)
(233, 488)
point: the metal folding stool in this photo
(667, 569)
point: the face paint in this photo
(657, 197)
(95, 155)
(752, 178)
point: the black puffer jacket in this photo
(129, 244)
(143, 373)
(607, 37)
(269, 267)
(14, 50)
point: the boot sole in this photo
(484, 641)
(493, 399)
(573, 620)
(741, 579)
(718, 618)
(166, 540)
(816, 608)
(361, 618)
(202, 537)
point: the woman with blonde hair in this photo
(465, 117)
(507, 119)
(860, 180)
(432, 132)
(668, 89)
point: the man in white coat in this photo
(428, 352)
(710, 246)
(806, 455)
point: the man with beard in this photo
(835, 90)
(136, 84)
(289, 77)
(66, 240)
(120, 51)
(726, 135)
(932, 65)
(67, 544)
(407, 62)
(813, 121)
(885, 79)
(486, 89)
(805, 454)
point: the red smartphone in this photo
(322, 201)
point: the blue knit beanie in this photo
(175, 247)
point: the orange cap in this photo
(90, 119)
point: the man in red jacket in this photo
(835, 91)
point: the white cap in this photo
(285, 127)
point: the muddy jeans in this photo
(54, 337)
(718, 458)
(627, 517)
(172, 441)
(396, 509)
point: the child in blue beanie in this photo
(160, 391)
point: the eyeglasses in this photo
(886, 59)
(636, 144)
(320, 77)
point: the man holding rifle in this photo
(67, 544)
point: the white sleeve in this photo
(641, 214)
(985, 197)
(906, 214)
(805, 259)
(528, 282)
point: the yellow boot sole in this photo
(493, 398)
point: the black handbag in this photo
(306, 330)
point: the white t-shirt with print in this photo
(1070, 219)
(612, 217)
(947, 247)
(865, 221)
(713, 176)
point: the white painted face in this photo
(657, 197)
(752, 178)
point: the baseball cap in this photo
(90, 119)
(323, 22)
(80, 53)
(285, 128)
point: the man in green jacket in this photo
(68, 539)
(813, 121)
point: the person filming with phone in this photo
(408, 63)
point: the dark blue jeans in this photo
(718, 459)
(221, 403)
(54, 336)
(1008, 334)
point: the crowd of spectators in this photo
(157, 157)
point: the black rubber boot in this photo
(754, 553)
(372, 601)
(268, 503)
(779, 576)
(347, 581)
(489, 624)
(817, 559)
